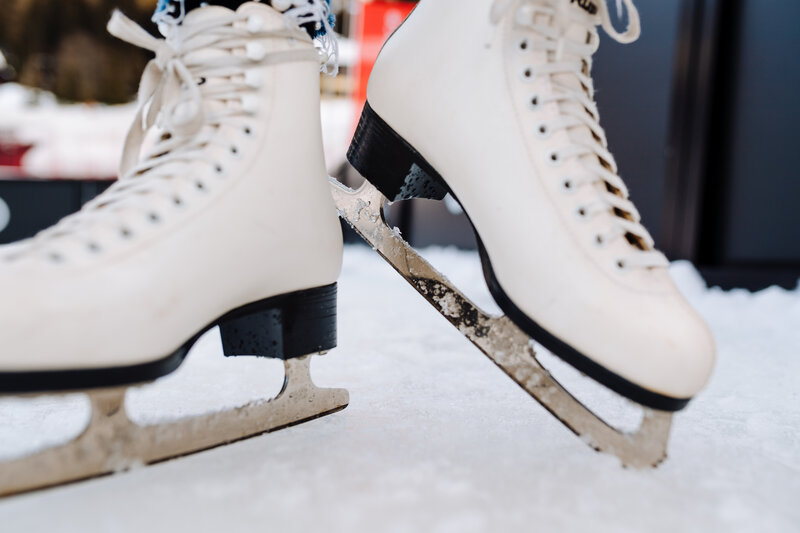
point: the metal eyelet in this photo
(527, 74)
(543, 132)
(599, 240)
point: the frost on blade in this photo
(448, 306)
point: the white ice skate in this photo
(492, 101)
(222, 217)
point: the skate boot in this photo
(492, 102)
(222, 216)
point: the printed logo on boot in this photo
(586, 5)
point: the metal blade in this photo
(498, 337)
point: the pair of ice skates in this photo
(223, 217)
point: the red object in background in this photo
(11, 153)
(376, 21)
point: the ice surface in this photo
(438, 439)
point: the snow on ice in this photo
(438, 439)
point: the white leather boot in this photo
(492, 101)
(222, 216)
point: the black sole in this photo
(396, 169)
(281, 327)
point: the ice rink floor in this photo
(436, 439)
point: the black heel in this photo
(282, 327)
(390, 163)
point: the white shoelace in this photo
(569, 61)
(187, 96)
(316, 13)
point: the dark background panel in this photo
(761, 210)
(38, 204)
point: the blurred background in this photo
(701, 114)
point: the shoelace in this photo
(188, 98)
(569, 61)
(315, 13)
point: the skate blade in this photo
(498, 337)
(112, 443)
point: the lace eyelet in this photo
(93, 247)
(543, 132)
(199, 185)
(567, 186)
(218, 169)
(599, 240)
(527, 74)
(247, 131)
(154, 217)
(533, 102)
(554, 159)
(523, 45)
(55, 257)
(582, 213)
(177, 201)
(125, 232)
(621, 265)
(234, 150)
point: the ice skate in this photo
(492, 102)
(222, 217)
